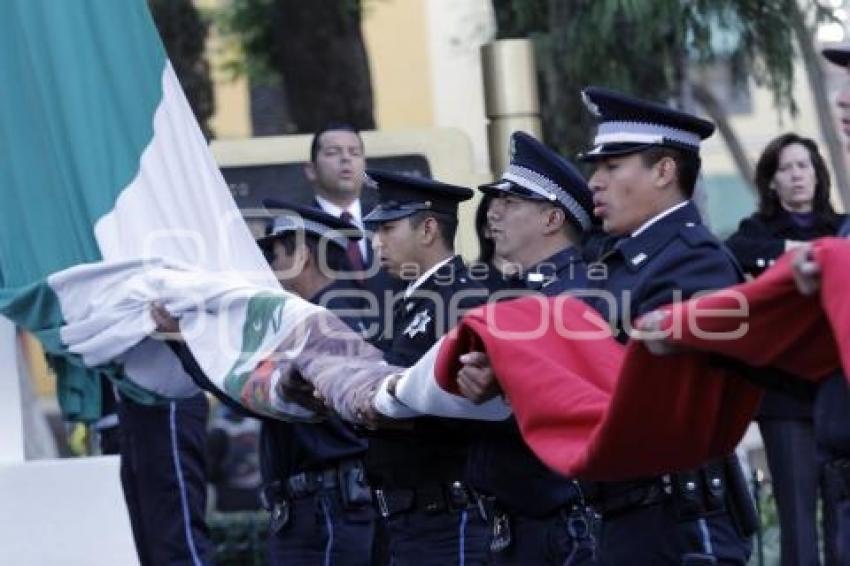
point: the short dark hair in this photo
(486, 247)
(446, 225)
(768, 163)
(331, 127)
(687, 163)
(335, 259)
(569, 230)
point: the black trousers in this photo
(546, 542)
(795, 475)
(321, 532)
(841, 516)
(163, 474)
(832, 431)
(419, 538)
(655, 535)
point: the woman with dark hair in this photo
(793, 185)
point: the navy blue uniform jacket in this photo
(670, 261)
(501, 464)
(435, 450)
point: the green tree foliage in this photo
(184, 33)
(316, 48)
(647, 47)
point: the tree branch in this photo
(712, 106)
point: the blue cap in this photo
(838, 54)
(400, 196)
(292, 218)
(538, 173)
(627, 124)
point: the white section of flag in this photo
(417, 393)
(107, 317)
(178, 206)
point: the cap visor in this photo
(503, 188)
(602, 152)
(267, 240)
(837, 55)
(378, 216)
(496, 188)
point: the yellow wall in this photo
(232, 118)
(756, 129)
(397, 41)
(396, 36)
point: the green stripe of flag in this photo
(81, 81)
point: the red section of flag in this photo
(786, 330)
(596, 409)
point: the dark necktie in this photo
(355, 258)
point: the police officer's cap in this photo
(538, 173)
(839, 54)
(292, 218)
(400, 196)
(627, 124)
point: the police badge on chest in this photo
(419, 324)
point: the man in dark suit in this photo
(336, 173)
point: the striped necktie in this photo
(355, 258)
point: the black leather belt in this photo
(432, 499)
(695, 493)
(308, 483)
(642, 495)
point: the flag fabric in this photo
(418, 393)
(249, 342)
(590, 407)
(805, 336)
(596, 409)
(102, 161)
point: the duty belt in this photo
(308, 483)
(696, 493)
(637, 496)
(432, 499)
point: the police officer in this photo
(646, 159)
(430, 516)
(314, 481)
(539, 209)
(163, 476)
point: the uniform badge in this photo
(418, 325)
(639, 259)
